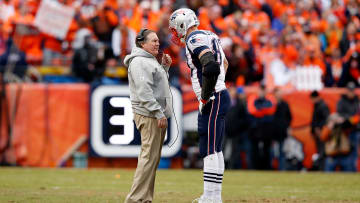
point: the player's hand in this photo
(203, 102)
(162, 122)
(166, 60)
(201, 105)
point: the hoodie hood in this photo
(136, 51)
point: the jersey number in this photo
(216, 48)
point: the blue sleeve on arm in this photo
(198, 50)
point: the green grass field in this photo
(112, 185)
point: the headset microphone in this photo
(161, 53)
(177, 125)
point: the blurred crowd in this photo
(258, 36)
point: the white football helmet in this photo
(180, 21)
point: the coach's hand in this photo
(166, 60)
(162, 122)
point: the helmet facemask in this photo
(177, 38)
(180, 21)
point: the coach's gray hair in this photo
(141, 37)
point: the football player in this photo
(206, 59)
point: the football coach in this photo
(151, 104)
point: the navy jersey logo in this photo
(194, 40)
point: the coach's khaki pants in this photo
(152, 138)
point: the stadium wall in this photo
(43, 122)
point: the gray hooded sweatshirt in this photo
(149, 86)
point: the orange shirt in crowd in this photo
(204, 19)
(233, 20)
(112, 3)
(266, 54)
(334, 37)
(136, 22)
(55, 44)
(289, 55)
(26, 36)
(258, 19)
(339, 12)
(221, 25)
(52, 43)
(223, 2)
(309, 16)
(258, 113)
(315, 62)
(279, 8)
(312, 42)
(110, 15)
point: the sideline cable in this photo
(173, 111)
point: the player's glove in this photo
(203, 102)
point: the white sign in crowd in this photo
(303, 78)
(54, 18)
(308, 78)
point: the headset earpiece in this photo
(141, 36)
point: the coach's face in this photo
(152, 44)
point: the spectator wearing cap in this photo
(236, 131)
(320, 115)
(347, 107)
